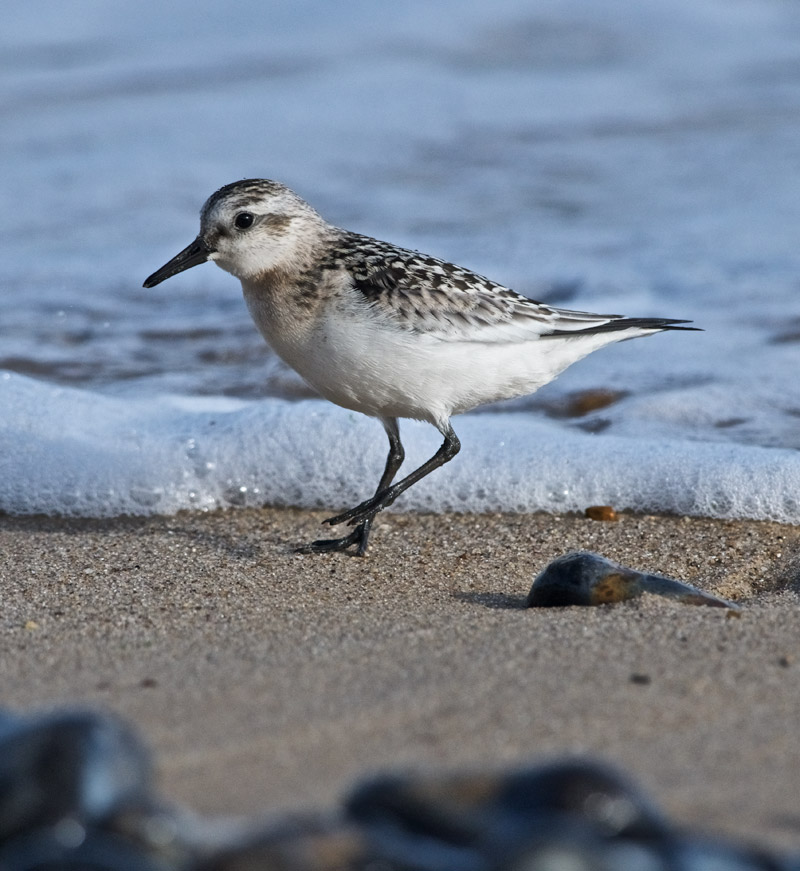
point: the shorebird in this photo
(383, 330)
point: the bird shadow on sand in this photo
(137, 527)
(497, 601)
(231, 545)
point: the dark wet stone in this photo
(69, 765)
(53, 850)
(483, 820)
(582, 578)
(694, 854)
(589, 793)
(585, 578)
(312, 845)
(74, 795)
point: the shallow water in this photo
(610, 156)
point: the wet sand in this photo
(266, 681)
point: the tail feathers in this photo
(622, 323)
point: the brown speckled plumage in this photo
(427, 295)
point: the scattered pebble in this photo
(77, 794)
(586, 578)
(582, 402)
(601, 512)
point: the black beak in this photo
(192, 255)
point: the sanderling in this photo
(383, 330)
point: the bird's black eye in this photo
(243, 220)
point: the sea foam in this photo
(74, 452)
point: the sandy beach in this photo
(267, 681)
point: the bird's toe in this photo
(332, 545)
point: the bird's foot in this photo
(359, 537)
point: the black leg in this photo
(360, 535)
(396, 453)
(386, 495)
(393, 462)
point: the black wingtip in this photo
(620, 323)
(672, 324)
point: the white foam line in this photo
(66, 451)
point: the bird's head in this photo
(249, 228)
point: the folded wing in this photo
(425, 295)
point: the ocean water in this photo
(606, 155)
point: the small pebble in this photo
(601, 512)
(583, 402)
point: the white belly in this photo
(358, 361)
(391, 373)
